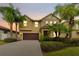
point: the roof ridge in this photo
(50, 14)
(43, 17)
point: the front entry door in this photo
(45, 33)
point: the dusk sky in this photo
(35, 11)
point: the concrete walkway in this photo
(21, 48)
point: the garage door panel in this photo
(30, 36)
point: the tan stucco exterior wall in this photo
(30, 28)
(49, 19)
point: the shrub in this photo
(66, 41)
(52, 46)
(58, 39)
(73, 42)
(10, 40)
(44, 38)
(59, 44)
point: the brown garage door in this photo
(30, 36)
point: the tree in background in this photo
(17, 19)
(12, 15)
(8, 16)
(59, 28)
(67, 12)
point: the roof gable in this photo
(51, 14)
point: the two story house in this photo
(32, 29)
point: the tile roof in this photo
(4, 28)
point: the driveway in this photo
(21, 48)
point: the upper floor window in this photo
(36, 24)
(62, 21)
(51, 22)
(46, 22)
(55, 22)
(25, 23)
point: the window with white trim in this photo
(24, 23)
(46, 22)
(36, 24)
(62, 21)
(51, 22)
(55, 22)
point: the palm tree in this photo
(7, 13)
(11, 15)
(17, 19)
(55, 28)
(59, 28)
(67, 12)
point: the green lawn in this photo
(70, 51)
(2, 42)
